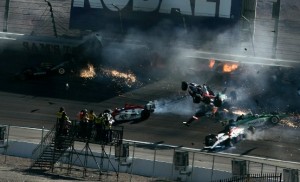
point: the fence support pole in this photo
(154, 159)
(6, 16)
(132, 161)
(212, 168)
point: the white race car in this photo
(224, 139)
(132, 112)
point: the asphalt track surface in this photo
(34, 103)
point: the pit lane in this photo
(24, 104)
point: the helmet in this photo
(61, 109)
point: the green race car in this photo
(252, 121)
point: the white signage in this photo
(212, 8)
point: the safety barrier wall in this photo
(148, 159)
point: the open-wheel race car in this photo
(132, 112)
(252, 121)
(224, 139)
(44, 69)
(203, 93)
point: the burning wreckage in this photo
(203, 94)
(131, 112)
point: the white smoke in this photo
(184, 106)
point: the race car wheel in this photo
(196, 99)
(210, 140)
(251, 129)
(206, 100)
(184, 86)
(107, 111)
(274, 120)
(218, 101)
(228, 143)
(61, 71)
(145, 114)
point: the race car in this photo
(224, 139)
(44, 69)
(132, 112)
(202, 93)
(251, 121)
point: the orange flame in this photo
(211, 63)
(129, 78)
(229, 67)
(89, 72)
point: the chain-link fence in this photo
(170, 162)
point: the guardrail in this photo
(173, 162)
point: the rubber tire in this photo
(251, 129)
(274, 120)
(184, 86)
(206, 100)
(145, 114)
(218, 101)
(196, 99)
(107, 111)
(210, 140)
(61, 71)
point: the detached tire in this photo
(184, 86)
(274, 120)
(61, 71)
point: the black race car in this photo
(45, 69)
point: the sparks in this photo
(129, 78)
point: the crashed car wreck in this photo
(224, 139)
(132, 112)
(254, 121)
(203, 93)
(44, 69)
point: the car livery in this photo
(202, 93)
(132, 112)
(224, 139)
(258, 121)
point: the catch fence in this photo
(172, 162)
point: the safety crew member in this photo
(83, 123)
(64, 124)
(59, 113)
(100, 127)
(108, 127)
(58, 117)
(91, 121)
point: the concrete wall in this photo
(137, 166)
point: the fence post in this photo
(154, 159)
(8, 129)
(212, 168)
(42, 138)
(133, 152)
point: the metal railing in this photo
(45, 142)
(157, 154)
